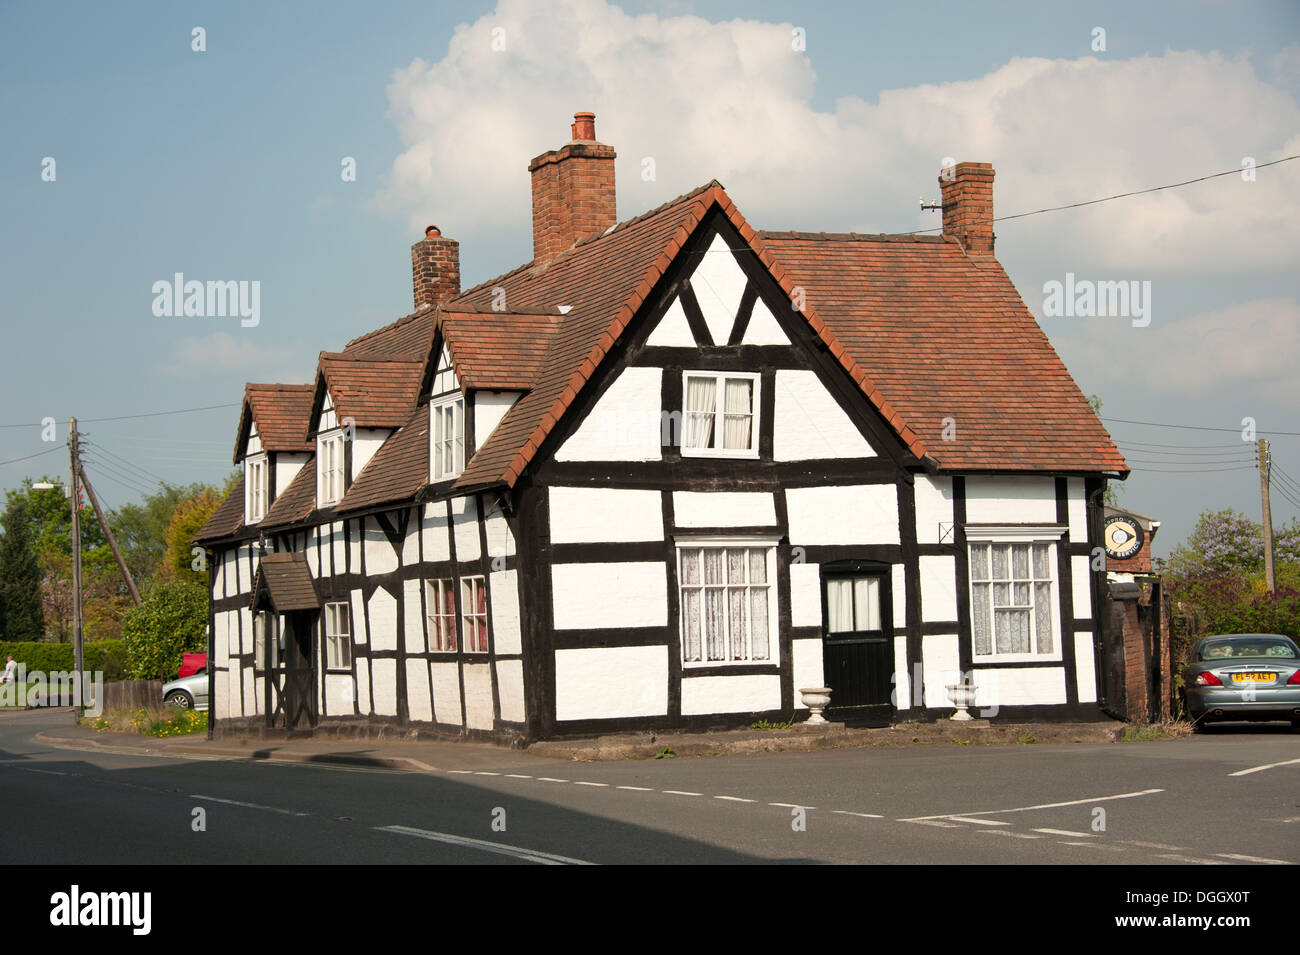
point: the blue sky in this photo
(225, 165)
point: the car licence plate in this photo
(1254, 678)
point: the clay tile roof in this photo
(399, 469)
(296, 502)
(408, 337)
(373, 392)
(946, 335)
(227, 518)
(287, 583)
(281, 413)
(499, 350)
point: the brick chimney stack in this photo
(573, 191)
(967, 190)
(435, 269)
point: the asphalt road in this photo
(1204, 800)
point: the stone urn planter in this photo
(963, 697)
(816, 699)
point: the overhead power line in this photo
(28, 457)
(125, 417)
(1195, 427)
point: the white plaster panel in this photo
(464, 520)
(809, 422)
(446, 692)
(437, 544)
(381, 558)
(365, 443)
(254, 443)
(218, 578)
(356, 610)
(287, 467)
(1077, 509)
(673, 330)
(763, 328)
(718, 283)
(510, 690)
(853, 514)
(723, 509)
(500, 541)
(413, 616)
(902, 679)
(489, 408)
(233, 704)
(340, 694)
(1010, 500)
(383, 620)
(942, 668)
(1085, 667)
(625, 424)
(503, 589)
(806, 659)
(220, 639)
(1080, 570)
(339, 546)
(594, 514)
(898, 595)
(313, 562)
(411, 542)
(478, 696)
(250, 697)
(731, 694)
(805, 595)
(418, 702)
(933, 506)
(629, 594)
(259, 695)
(938, 588)
(611, 682)
(244, 638)
(385, 702)
(245, 581)
(354, 544)
(1029, 686)
(363, 686)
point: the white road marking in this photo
(484, 772)
(978, 822)
(1096, 845)
(517, 776)
(847, 812)
(1008, 833)
(733, 798)
(637, 789)
(518, 852)
(790, 805)
(1260, 769)
(550, 779)
(601, 785)
(933, 822)
(1241, 858)
(1046, 805)
(251, 805)
(43, 772)
(1156, 845)
(1195, 861)
(678, 792)
(1066, 832)
(461, 772)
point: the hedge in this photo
(106, 656)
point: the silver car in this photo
(190, 691)
(1245, 676)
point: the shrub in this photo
(159, 631)
(108, 656)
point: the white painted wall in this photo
(1085, 667)
(365, 443)
(730, 694)
(902, 678)
(338, 548)
(763, 328)
(385, 703)
(433, 526)
(383, 621)
(419, 704)
(363, 687)
(1077, 509)
(413, 616)
(464, 519)
(356, 607)
(503, 586)
(933, 506)
(673, 330)
(938, 588)
(340, 694)
(718, 284)
(1010, 500)
(593, 514)
(287, 467)
(810, 424)
(489, 408)
(625, 424)
(806, 660)
(478, 696)
(1030, 686)
(805, 595)
(446, 692)
(411, 542)
(942, 668)
(600, 595)
(381, 558)
(510, 690)
(1080, 570)
(723, 509)
(853, 514)
(500, 540)
(611, 682)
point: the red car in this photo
(191, 664)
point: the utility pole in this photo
(74, 452)
(1269, 581)
(108, 535)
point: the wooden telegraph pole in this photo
(1269, 580)
(74, 451)
(108, 535)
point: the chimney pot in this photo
(432, 232)
(967, 190)
(584, 127)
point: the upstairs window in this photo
(447, 437)
(258, 474)
(330, 469)
(720, 415)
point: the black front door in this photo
(300, 670)
(857, 641)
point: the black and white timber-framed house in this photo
(668, 474)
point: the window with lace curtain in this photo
(720, 414)
(1013, 600)
(727, 601)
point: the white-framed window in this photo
(338, 636)
(447, 437)
(719, 414)
(1014, 595)
(268, 641)
(728, 600)
(330, 468)
(473, 614)
(440, 606)
(258, 487)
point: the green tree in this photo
(20, 575)
(172, 620)
(141, 529)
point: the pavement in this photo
(438, 755)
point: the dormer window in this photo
(258, 475)
(720, 415)
(329, 457)
(447, 437)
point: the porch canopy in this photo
(284, 584)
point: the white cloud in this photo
(732, 101)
